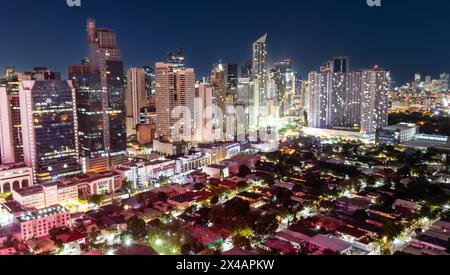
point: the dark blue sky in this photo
(405, 36)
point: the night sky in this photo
(405, 36)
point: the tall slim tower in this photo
(101, 103)
(220, 81)
(136, 98)
(260, 82)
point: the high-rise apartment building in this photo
(374, 103)
(356, 100)
(204, 113)
(137, 100)
(174, 88)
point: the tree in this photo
(283, 196)
(242, 186)
(199, 186)
(163, 180)
(214, 200)
(360, 215)
(297, 188)
(162, 196)
(137, 227)
(244, 171)
(10, 242)
(391, 230)
(267, 225)
(128, 187)
(54, 232)
(241, 242)
(96, 199)
(237, 207)
(314, 180)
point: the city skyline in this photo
(144, 37)
(281, 134)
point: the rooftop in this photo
(400, 126)
(39, 214)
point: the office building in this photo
(99, 82)
(49, 129)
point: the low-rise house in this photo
(331, 243)
(409, 205)
(72, 242)
(280, 246)
(442, 225)
(350, 234)
(255, 200)
(431, 243)
(350, 206)
(206, 236)
(136, 250)
(188, 199)
(230, 185)
(385, 212)
(236, 251)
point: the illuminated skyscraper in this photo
(174, 88)
(101, 102)
(340, 65)
(356, 100)
(232, 79)
(374, 103)
(136, 99)
(204, 102)
(49, 129)
(260, 83)
(284, 85)
(177, 59)
(219, 80)
(11, 126)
